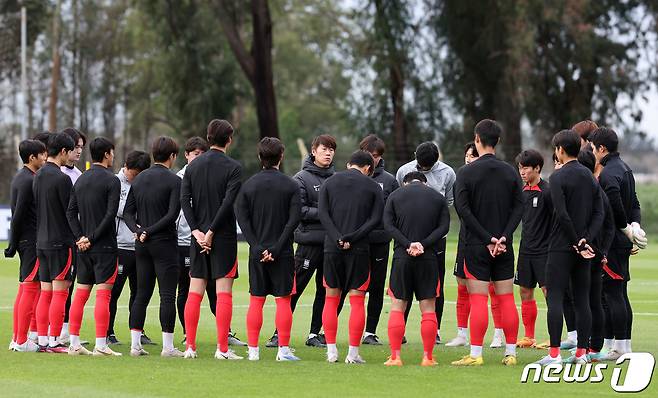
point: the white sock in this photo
(499, 333)
(65, 329)
(620, 346)
(572, 335)
(32, 335)
(438, 332)
(462, 332)
(353, 352)
(52, 341)
(101, 342)
(167, 341)
(311, 335)
(332, 349)
(255, 350)
(476, 351)
(510, 349)
(75, 341)
(366, 334)
(284, 350)
(628, 345)
(608, 343)
(135, 339)
(43, 340)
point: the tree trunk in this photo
(52, 107)
(74, 69)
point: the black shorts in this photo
(479, 265)
(458, 271)
(29, 268)
(530, 270)
(56, 264)
(221, 262)
(97, 268)
(617, 267)
(347, 271)
(419, 276)
(276, 278)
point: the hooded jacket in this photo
(310, 231)
(441, 177)
(182, 228)
(125, 237)
(388, 183)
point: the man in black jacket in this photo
(309, 236)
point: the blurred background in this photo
(407, 70)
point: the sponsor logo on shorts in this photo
(187, 261)
(120, 269)
(379, 259)
(637, 375)
(307, 263)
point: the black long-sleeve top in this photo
(388, 183)
(416, 213)
(488, 199)
(268, 210)
(578, 207)
(603, 240)
(210, 187)
(23, 211)
(618, 183)
(537, 219)
(52, 191)
(153, 203)
(350, 206)
(93, 207)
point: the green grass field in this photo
(60, 375)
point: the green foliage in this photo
(647, 194)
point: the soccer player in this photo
(309, 236)
(380, 241)
(151, 209)
(577, 221)
(91, 212)
(55, 242)
(533, 250)
(268, 210)
(350, 206)
(136, 162)
(210, 186)
(489, 200)
(441, 178)
(618, 182)
(414, 269)
(23, 240)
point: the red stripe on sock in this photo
(77, 310)
(463, 306)
(223, 318)
(357, 320)
(330, 318)
(428, 329)
(396, 330)
(529, 315)
(283, 320)
(254, 319)
(192, 312)
(102, 312)
(554, 352)
(479, 318)
(510, 317)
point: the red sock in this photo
(283, 320)
(223, 319)
(510, 317)
(428, 328)
(529, 315)
(495, 308)
(580, 352)
(330, 318)
(479, 318)
(33, 322)
(77, 310)
(56, 311)
(554, 352)
(25, 309)
(357, 319)
(42, 312)
(463, 306)
(254, 319)
(101, 312)
(192, 311)
(396, 331)
(17, 303)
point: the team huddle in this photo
(147, 224)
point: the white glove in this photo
(628, 232)
(639, 236)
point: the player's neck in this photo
(534, 181)
(32, 167)
(56, 161)
(487, 150)
(218, 148)
(101, 164)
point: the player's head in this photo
(136, 162)
(270, 152)
(566, 144)
(427, 154)
(164, 149)
(603, 141)
(556, 162)
(414, 176)
(33, 153)
(530, 163)
(80, 141)
(470, 153)
(43, 137)
(194, 147)
(219, 133)
(487, 134)
(375, 145)
(60, 146)
(362, 161)
(587, 159)
(584, 129)
(323, 149)
(102, 151)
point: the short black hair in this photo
(194, 143)
(414, 175)
(98, 147)
(530, 158)
(587, 159)
(568, 140)
(362, 158)
(270, 152)
(473, 148)
(163, 147)
(489, 132)
(219, 132)
(58, 142)
(29, 148)
(138, 160)
(427, 154)
(324, 139)
(373, 144)
(604, 136)
(44, 137)
(76, 135)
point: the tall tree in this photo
(54, 83)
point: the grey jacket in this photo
(125, 237)
(441, 177)
(182, 227)
(310, 231)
